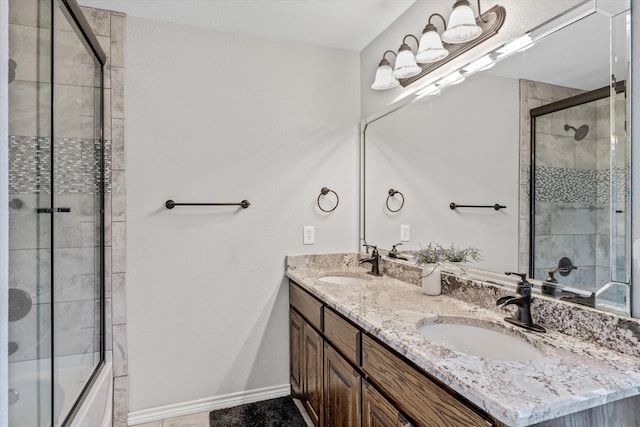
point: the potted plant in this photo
(433, 255)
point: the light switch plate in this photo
(309, 235)
(404, 233)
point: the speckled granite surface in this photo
(572, 376)
(609, 330)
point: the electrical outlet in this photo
(309, 235)
(404, 233)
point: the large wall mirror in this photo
(542, 132)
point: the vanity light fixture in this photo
(405, 61)
(430, 48)
(462, 26)
(384, 79)
(463, 32)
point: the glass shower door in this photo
(76, 180)
(31, 382)
(56, 295)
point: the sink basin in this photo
(344, 279)
(474, 340)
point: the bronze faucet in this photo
(374, 260)
(523, 302)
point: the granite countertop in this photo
(572, 376)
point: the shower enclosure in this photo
(56, 215)
(580, 198)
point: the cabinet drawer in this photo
(417, 396)
(308, 306)
(342, 335)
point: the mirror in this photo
(472, 145)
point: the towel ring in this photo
(392, 193)
(323, 192)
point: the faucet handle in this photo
(523, 287)
(394, 251)
(523, 276)
(374, 252)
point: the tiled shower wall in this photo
(28, 92)
(111, 26)
(532, 95)
(572, 187)
(568, 198)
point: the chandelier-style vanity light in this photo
(462, 26)
(463, 32)
(405, 61)
(431, 49)
(384, 79)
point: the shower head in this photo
(580, 133)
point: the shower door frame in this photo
(583, 98)
(75, 13)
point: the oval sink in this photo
(343, 279)
(478, 341)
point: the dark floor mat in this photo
(281, 412)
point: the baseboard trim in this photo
(207, 404)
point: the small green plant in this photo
(435, 253)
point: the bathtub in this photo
(28, 387)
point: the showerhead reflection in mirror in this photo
(580, 133)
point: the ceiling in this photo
(342, 24)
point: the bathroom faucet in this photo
(523, 302)
(393, 253)
(374, 260)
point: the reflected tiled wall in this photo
(566, 193)
(572, 187)
(533, 95)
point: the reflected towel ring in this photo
(323, 192)
(392, 193)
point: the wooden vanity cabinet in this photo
(296, 327)
(333, 365)
(377, 411)
(306, 364)
(306, 351)
(341, 390)
(312, 378)
(416, 395)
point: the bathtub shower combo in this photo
(57, 358)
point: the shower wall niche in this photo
(57, 159)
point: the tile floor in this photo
(202, 420)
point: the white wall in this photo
(522, 16)
(433, 162)
(217, 117)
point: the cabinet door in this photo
(377, 411)
(341, 391)
(312, 373)
(295, 352)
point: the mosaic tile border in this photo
(76, 162)
(566, 185)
